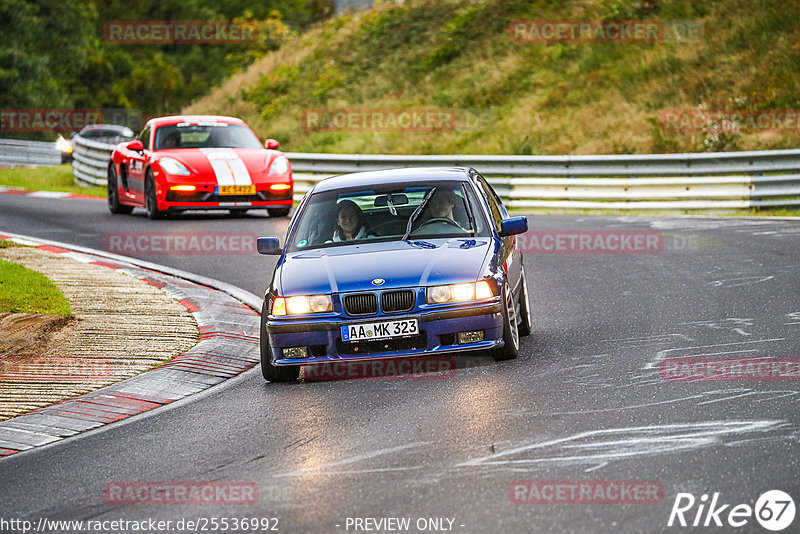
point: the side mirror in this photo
(137, 145)
(269, 245)
(513, 226)
(271, 144)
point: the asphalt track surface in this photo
(585, 400)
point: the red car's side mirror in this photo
(135, 145)
(271, 144)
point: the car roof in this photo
(110, 127)
(395, 176)
(177, 119)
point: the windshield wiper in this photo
(469, 209)
(417, 212)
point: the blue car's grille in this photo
(395, 301)
(361, 304)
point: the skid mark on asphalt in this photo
(662, 354)
(325, 469)
(793, 318)
(732, 323)
(600, 447)
(740, 281)
(706, 397)
(646, 341)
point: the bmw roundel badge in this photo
(378, 282)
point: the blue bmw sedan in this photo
(397, 263)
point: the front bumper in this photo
(226, 205)
(205, 197)
(438, 334)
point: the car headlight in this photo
(173, 166)
(459, 292)
(279, 165)
(62, 145)
(302, 305)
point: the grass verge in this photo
(58, 178)
(25, 291)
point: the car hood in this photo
(202, 160)
(399, 263)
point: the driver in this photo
(440, 206)
(172, 140)
(221, 138)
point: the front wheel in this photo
(114, 205)
(510, 349)
(151, 205)
(273, 373)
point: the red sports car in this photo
(199, 163)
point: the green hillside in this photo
(512, 97)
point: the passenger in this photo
(350, 222)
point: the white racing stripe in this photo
(229, 169)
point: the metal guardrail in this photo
(718, 180)
(20, 153)
(90, 160)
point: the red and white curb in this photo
(228, 346)
(44, 194)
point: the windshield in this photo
(443, 209)
(205, 135)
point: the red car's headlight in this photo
(173, 166)
(279, 165)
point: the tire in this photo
(278, 212)
(510, 350)
(114, 205)
(525, 323)
(273, 373)
(150, 198)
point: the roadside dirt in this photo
(28, 335)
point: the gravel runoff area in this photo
(199, 332)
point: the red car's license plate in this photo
(237, 190)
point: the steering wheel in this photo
(440, 220)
